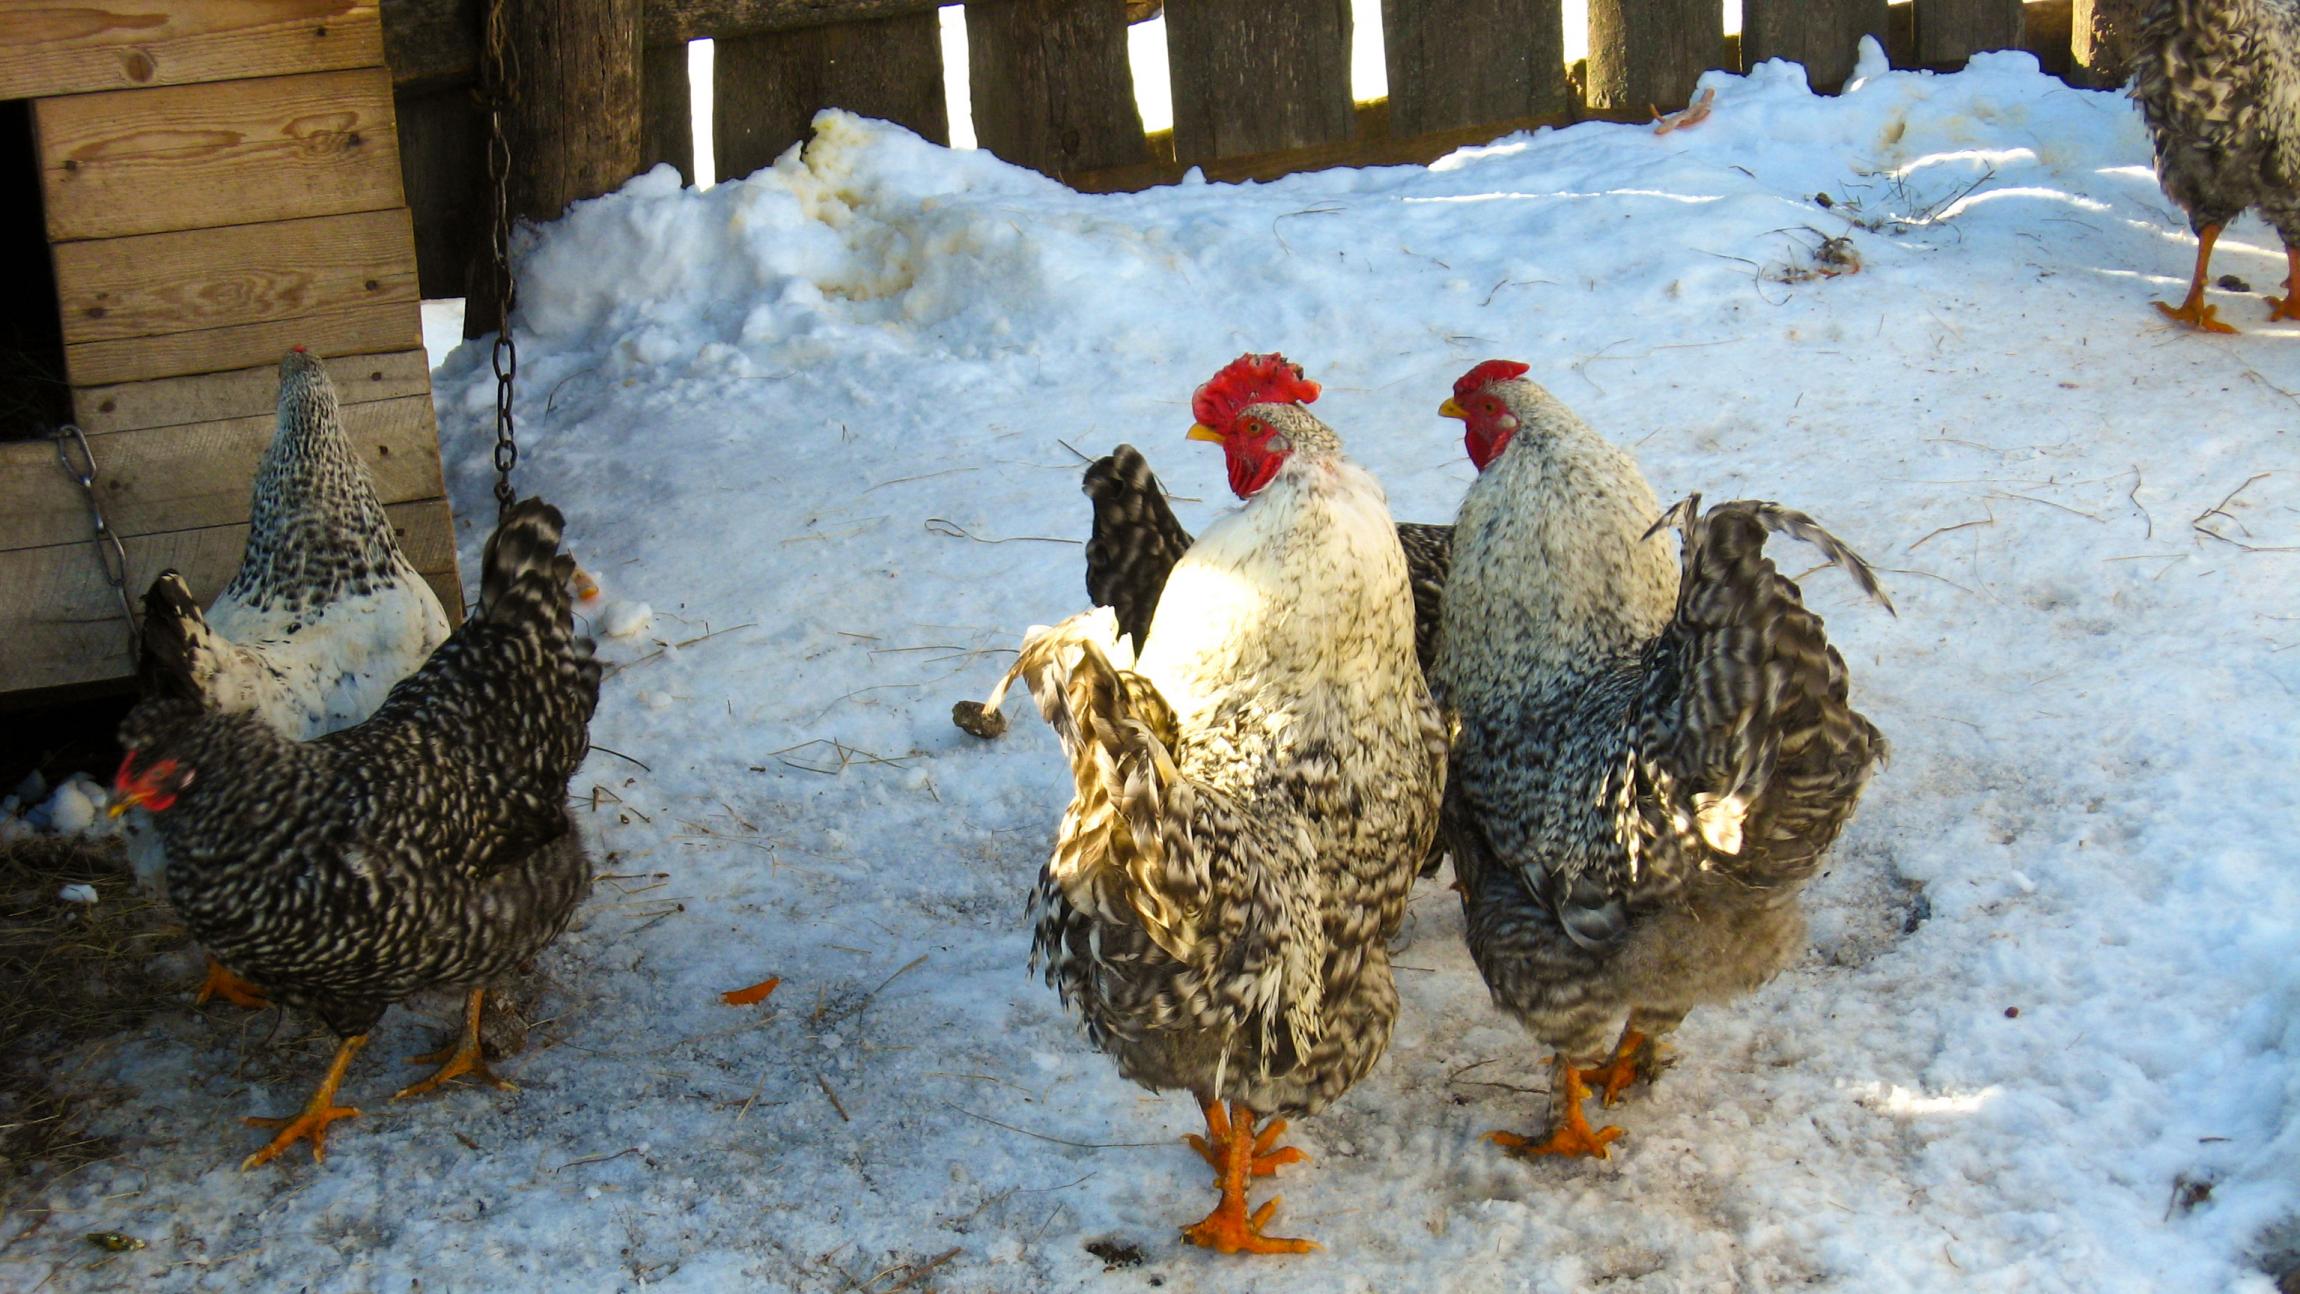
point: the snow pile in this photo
(828, 423)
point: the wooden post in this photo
(1648, 53)
(765, 90)
(2101, 38)
(666, 110)
(1951, 31)
(1258, 77)
(1465, 62)
(1050, 83)
(443, 167)
(1824, 35)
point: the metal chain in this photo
(502, 88)
(109, 551)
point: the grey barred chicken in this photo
(2218, 84)
(324, 615)
(428, 847)
(1252, 796)
(1653, 752)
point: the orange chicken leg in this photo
(1237, 1154)
(2288, 305)
(231, 988)
(465, 1057)
(317, 1113)
(2193, 311)
(1573, 1136)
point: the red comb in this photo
(1250, 379)
(297, 348)
(1493, 370)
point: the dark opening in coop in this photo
(33, 396)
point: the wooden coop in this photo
(217, 181)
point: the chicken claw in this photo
(320, 1111)
(1573, 1137)
(231, 988)
(466, 1056)
(1236, 1154)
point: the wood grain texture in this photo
(241, 393)
(1253, 78)
(1951, 31)
(432, 40)
(1050, 84)
(575, 104)
(60, 620)
(154, 284)
(1648, 53)
(227, 153)
(52, 47)
(2100, 38)
(178, 478)
(672, 21)
(363, 329)
(767, 89)
(666, 111)
(1450, 65)
(1824, 35)
(443, 168)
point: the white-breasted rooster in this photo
(1653, 752)
(324, 616)
(1253, 796)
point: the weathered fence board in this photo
(2100, 38)
(1451, 65)
(443, 164)
(666, 111)
(575, 110)
(241, 393)
(1252, 78)
(1050, 84)
(1951, 31)
(356, 330)
(1824, 35)
(767, 89)
(223, 153)
(52, 48)
(1648, 53)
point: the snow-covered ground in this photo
(826, 424)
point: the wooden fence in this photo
(1260, 87)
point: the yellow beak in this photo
(1451, 410)
(122, 805)
(1200, 431)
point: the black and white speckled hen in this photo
(324, 615)
(2218, 83)
(428, 847)
(1252, 796)
(1650, 761)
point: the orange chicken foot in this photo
(1573, 1137)
(2193, 311)
(317, 1113)
(1237, 1154)
(231, 988)
(465, 1057)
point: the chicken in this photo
(1252, 795)
(427, 847)
(2218, 84)
(1650, 761)
(324, 615)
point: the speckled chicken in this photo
(428, 847)
(324, 615)
(2218, 83)
(1653, 752)
(1252, 796)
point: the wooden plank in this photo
(1824, 35)
(432, 40)
(678, 21)
(227, 153)
(1253, 78)
(242, 393)
(369, 328)
(767, 89)
(1051, 85)
(1441, 81)
(666, 111)
(1648, 53)
(574, 104)
(1951, 31)
(443, 168)
(2048, 31)
(177, 478)
(153, 285)
(50, 48)
(2101, 34)
(60, 620)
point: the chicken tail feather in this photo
(179, 654)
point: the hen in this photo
(1650, 760)
(1252, 795)
(2218, 84)
(323, 617)
(428, 847)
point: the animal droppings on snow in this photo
(626, 619)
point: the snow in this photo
(827, 422)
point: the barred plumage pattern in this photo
(2218, 84)
(1650, 761)
(1251, 798)
(428, 847)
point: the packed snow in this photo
(828, 423)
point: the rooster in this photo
(2218, 84)
(324, 615)
(1653, 753)
(427, 847)
(1253, 793)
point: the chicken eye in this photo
(1253, 427)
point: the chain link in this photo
(109, 551)
(502, 88)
